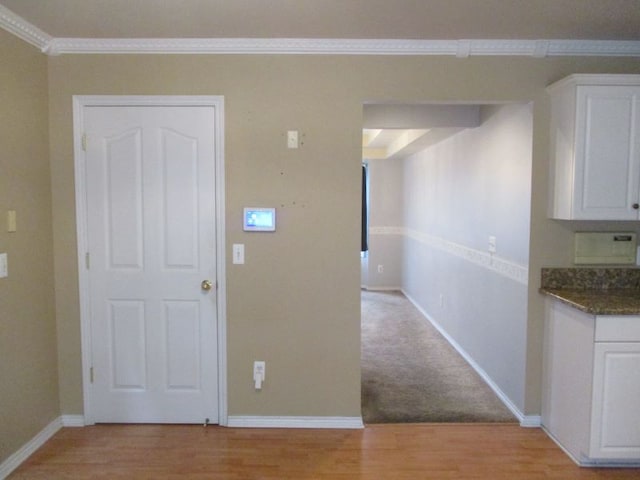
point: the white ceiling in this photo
(344, 19)
(394, 131)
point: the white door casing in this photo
(150, 214)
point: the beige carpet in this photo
(410, 373)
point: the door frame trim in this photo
(216, 101)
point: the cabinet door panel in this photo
(607, 163)
(616, 396)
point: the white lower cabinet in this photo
(591, 385)
(615, 413)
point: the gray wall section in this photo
(454, 195)
(485, 313)
(476, 184)
(386, 204)
(385, 251)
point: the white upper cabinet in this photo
(595, 150)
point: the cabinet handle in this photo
(636, 206)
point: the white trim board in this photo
(72, 420)
(24, 30)
(81, 101)
(461, 48)
(17, 458)
(250, 421)
(284, 46)
(382, 289)
(587, 462)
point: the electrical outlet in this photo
(441, 300)
(492, 244)
(259, 368)
(380, 268)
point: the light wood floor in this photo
(418, 451)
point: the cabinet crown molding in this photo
(595, 79)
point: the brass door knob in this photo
(206, 285)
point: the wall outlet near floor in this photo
(380, 268)
(441, 300)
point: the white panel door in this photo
(150, 181)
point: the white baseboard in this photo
(555, 440)
(525, 420)
(247, 421)
(383, 289)
(531, 421)
(584, 461)
(14, 461)
(73, 420)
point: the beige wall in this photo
(28, 367)
(296, 302)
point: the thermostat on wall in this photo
(259, 219)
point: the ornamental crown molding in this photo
(17, 25)
(280, 46)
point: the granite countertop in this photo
(598, 291)
(622, 301)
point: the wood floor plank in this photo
(410, 451)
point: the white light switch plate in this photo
(292, 139)
(4, 267)
(11, 221)
(238, 253)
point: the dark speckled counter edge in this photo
(598, 291)
(590, 278)
(599, 302)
